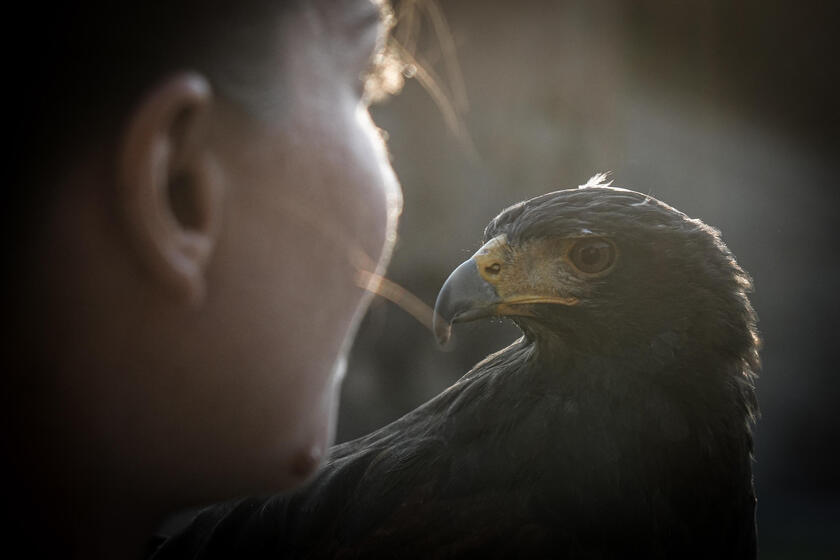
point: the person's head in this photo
(198, 184)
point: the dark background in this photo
(726, 110)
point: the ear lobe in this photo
(171, 191)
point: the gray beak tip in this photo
(465, 296)
(443, 332)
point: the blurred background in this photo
(726, 110)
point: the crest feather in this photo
(598, 180)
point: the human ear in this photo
(171, 190)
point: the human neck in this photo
(61, 509)
(84, 527)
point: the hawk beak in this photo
(490, 283)
(464, 296)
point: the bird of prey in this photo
(618, 425)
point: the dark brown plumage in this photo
(618, 425)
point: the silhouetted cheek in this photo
(380, 190)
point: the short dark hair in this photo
(88, 62)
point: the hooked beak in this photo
(464, 296)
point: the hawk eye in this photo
(592, 255)
(494, 268)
